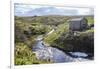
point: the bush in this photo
(82, 41)
(24, 55)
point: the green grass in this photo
(56, 34)
(90, 20)
(24, 55)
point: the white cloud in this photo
(81, 11)
(24, 8)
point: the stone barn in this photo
(78, 24)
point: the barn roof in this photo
(77, 19)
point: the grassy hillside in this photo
(28, 28)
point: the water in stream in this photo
(55, 55)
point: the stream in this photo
(55, 55)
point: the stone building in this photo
(78, 24)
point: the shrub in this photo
(82, 41)
(24, 55)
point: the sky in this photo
(40, 10)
